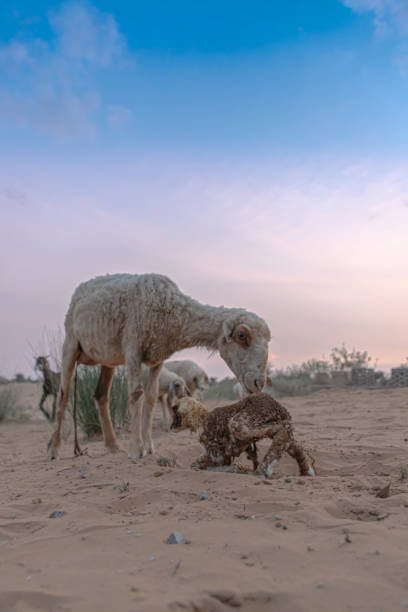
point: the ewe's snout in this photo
(254, 384)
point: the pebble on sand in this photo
(203, 495)
(57, 514)
(175, 538)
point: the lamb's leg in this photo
(70, 353)
(280, 442)
(101, 397)
(305, 461)
(135, 399)
(252, 455)
(150, 402)
(41, 406)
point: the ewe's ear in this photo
(241, 335)
(227, 330)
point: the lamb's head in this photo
(243, 344)
(188, 414)
(177, 390)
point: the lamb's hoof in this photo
(311, 472)
(136, 451)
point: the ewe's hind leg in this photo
(305, 462)
(280, 442)
(70, 353)
(101, 397)
(135, 399)
(150, 401)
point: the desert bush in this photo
(222, 389)
(7, 404)
(3, 380)
(19, 378)
(291, 381)
(88, 418)
(343, 359)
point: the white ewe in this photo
(133, 319)
(196, 378)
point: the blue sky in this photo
(255, 152)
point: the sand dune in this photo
(108, 551)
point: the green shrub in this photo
(88, 417)
(7, 404)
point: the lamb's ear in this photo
(241, 335)
(227, 330)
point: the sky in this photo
(256, 153)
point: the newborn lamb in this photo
(228, 431)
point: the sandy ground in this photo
(108, 551)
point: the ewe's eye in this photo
(241, 335)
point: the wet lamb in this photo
(229, 431)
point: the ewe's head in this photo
(188, 414)
(177, 390)
(201, 381)
(243, 345)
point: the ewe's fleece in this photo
(143, 319)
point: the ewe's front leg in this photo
(135, 399)
(149, 404)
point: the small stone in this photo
(384, 492)
(37, 500)
(203, 495)
(309, 549)
(175, 538)
(284, 527)
(152, 558)
(57, 514)
(404, 604)
(187, 541)
(320, 585)
(278, 517)
(278, 524)
(288, 479)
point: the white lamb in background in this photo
(171, 388)
(136, 319)
(196, 378)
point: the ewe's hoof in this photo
(115, 448)
(137, 451)
(150, 448)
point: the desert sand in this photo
(336, 545)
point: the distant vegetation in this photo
(7, 404)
